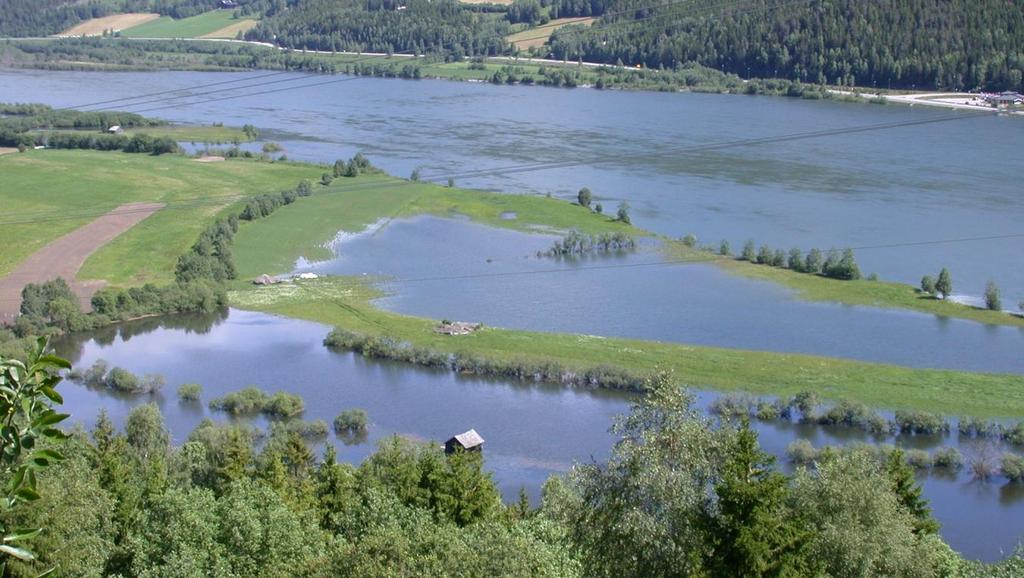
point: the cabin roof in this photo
(469, 439)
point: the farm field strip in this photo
(116, 22)
(65, 256)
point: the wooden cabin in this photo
(469, 441)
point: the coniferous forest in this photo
(898, 44)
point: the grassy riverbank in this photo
(209, 134)
(345, 302)
(69, 188)
(863, 292)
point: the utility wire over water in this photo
(49, 216)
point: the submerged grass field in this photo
(193, 27)
(70, 188)
(346, 302)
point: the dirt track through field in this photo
(63, 257)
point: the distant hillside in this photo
(408, 26)
(924, 44)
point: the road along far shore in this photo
(64, 257)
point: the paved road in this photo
(64, 257)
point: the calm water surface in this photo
(915, 184)
(532, 431)
(693, 303)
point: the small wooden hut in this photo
(469, 441)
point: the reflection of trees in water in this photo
(70, 346)
(352, 438)
(1011, 493)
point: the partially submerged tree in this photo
(944, 285)
(583, 197)
(992, 299)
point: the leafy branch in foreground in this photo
(26, 391)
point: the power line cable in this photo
(165, 92)
(531, 167)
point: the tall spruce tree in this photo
(752, 532)
(901, 475)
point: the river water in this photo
(892, 194)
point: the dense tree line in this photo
(31, 116)
(411, 26)
(30, 125)
(51, 307)
(924, 44)
(833, 264)
(680, 495)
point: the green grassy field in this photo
(186, 133)
(195, 133)
(345, 302)
(272, 245)
(77, 186)
(194, 27)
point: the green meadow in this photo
(192, 27)
(68, 188)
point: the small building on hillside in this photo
(469, 441)
(116, 129)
